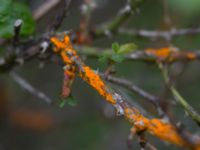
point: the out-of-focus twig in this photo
(17, 26)
(28, 87)
(130, 8)
(59, 18)
(44, 8)
(186, 106)
(132, 87)
(166, 54)
(160, 34)
(166, 15)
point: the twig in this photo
(166, 16)
(144, 143)
(187, 107)
(28, 87)
(17, 26)
(160, 34)
(86, 10)
(130, 8)
(59, 18)
(44, 8)
(166, 54)
(132, 87)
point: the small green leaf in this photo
(117, 58)
(71, 101)
(103, 58)
(62, 103)
(127, 48)
(115, 47)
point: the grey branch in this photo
(17, 26)
(187, 107)
(130, 86)
(28, 87)
(124, 14)
(160, 34)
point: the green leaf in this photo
(127, 48)
(118, 52)
(69, 100)
(62, 103)
(103, 58)
(117, 58)
(11, 11)
(115, 47)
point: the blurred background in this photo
(30, 123)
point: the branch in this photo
(17, 26)
(44, 9)
(28, 87)
(160, 34)
(59, 18)
(130, 86)
(166, 54)
(187, 107)
(123, 15)
(156, 127)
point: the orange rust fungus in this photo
(88, 74)
(96, 82)
(191, 55)
(156, 127)
(170, 54)
(162, 53)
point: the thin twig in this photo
(140, 55)
(59, 18)
(132, 87)
(160, 34)
(124, 14)
(166, 16)
(17, 26)
(187, 107)
(28, 87)
(44, 8)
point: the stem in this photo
(186, 106)
(120, 19)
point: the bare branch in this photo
(28, 87)
(186, 106)
(124, 14)
(152, 34)
(17, 26)
(59, 18)
(44, 8)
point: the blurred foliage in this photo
(70, 100)
(10, 11)
(186, 7)
(118, 52)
